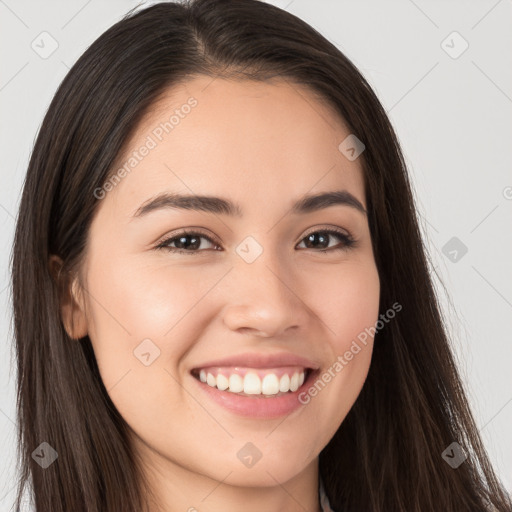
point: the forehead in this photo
(256, 141)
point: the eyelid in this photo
(337, 229)
(192, 230)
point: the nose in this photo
(263, 299)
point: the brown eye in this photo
(321, 240)
(190, 242)
(186, 242)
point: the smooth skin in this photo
(262, 145)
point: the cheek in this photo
(139, 309)
(144, 320)
(347, 302)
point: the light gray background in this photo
(453, 118)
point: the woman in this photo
(221, 296)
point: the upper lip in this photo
(251, 360)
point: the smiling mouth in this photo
(254, 382)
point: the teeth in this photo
(270, 385)
(252, 384)
(284, 383)
(211, 380)
(222, 382)
(294, 382)
(236, 383)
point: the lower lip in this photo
(258, 406)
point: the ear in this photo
(72, 310)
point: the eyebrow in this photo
(218, 205)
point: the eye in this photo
(189, 242)
(323, 237)
(186, 242)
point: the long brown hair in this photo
(387, 454)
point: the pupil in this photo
(315, 237)
(182, 242)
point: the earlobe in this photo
(72, 310)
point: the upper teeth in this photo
(251, 383)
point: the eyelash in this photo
(348, 241)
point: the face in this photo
(275, 283)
